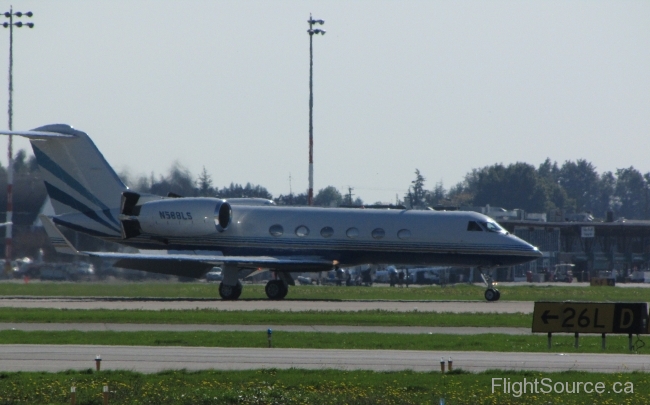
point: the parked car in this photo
(214, 275)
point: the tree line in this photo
(573, 186)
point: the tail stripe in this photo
(81, 229)
(71, 202)
(57, 171)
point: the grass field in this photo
(321, 340)
(304, 386)
(267, 317)
(271, 386)
(210, 291)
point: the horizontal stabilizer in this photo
(36, 134)
(60, 243)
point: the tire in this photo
(490, 295)
(285, 290)
(498, 295)
(238, 291)
(230, 292)
(276, 290)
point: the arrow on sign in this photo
(546, 316)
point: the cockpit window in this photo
(473, 226)
(493, 227)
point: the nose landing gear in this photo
(491, 293)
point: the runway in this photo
(288, 305)
(54, 358)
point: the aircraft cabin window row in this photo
(327, 232)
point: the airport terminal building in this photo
(593, 248)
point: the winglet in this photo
(61, 244)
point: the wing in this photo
(186, 265)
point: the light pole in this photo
(10, 155)
(311, 31)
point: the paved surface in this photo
(285, 305)
(132, 327)
(153, 359)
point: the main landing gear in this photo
(491, 294)
(230, 292)
(276, 289)
(230, 288)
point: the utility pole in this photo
(350, 195)
(311, 31)
(290, 191)
(10, 154)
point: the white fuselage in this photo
(347, 236)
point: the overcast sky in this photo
(441, 86)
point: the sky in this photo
(441, 86)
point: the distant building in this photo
(592, 246)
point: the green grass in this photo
(321, 387)
(210, 291)
(321, 340)
(265, 317)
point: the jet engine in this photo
(170, 217)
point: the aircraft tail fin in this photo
(77, 177)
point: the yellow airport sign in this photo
(590, 317)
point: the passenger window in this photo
(302, 231)
(352, 233)
(404, 234)
(378, 233)
(276, 230)
(327, 232)
(474, 226)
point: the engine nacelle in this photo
(184, 216)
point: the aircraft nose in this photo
(531, 250)
(534, 251)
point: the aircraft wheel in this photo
(285, 290)
(230, 292)
(276, 289)
(491, 295)
(498, 295)
(238, 291)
